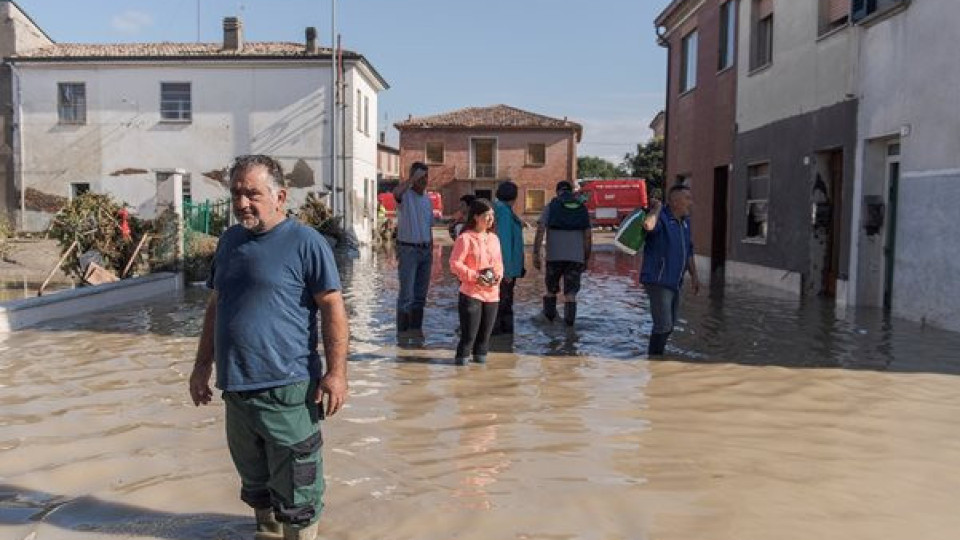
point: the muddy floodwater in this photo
(769, 419)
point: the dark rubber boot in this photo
(569, 313)
(416, 319)
(550, 308)
(403, 321)
(658, 342)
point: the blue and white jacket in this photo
(666, 251)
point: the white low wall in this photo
(776, 278)
(27, 312)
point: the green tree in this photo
(594, 167)
(647, 163)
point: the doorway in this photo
(718, 245)
(826, 224)
(890, 240)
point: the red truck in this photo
(389, 204)
(611, 200)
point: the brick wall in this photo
(453, 177)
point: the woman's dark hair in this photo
(507, 191)
(244, 163)
(477, 207)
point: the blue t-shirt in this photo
(266, 326)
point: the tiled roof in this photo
(497, 116)
(175, 50)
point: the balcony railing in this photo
(483, 172)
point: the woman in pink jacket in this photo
(477, 262)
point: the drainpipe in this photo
(18, 143)
(333, 107)
(662, 41)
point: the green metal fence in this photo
(207, 217)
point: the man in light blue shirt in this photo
(414, 247)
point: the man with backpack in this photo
(565, 223)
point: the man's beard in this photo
(251, 222)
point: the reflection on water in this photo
(573, 435)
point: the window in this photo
(833, 14)
(688, 62)
(762, 37)
(728, 34)
(72, 103)
(536, 154)
(79, 188)
(175, 102)
(861, 9)
(535, 200)
(434, 153)
(758, 198)
(366, 115)
(359, 111)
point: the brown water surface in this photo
(770, 419)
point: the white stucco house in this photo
(116, 118)
(906, 246)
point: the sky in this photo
(595, 62)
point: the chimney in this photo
(232, 34)
(383, 137)
(311, 40)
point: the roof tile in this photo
(496, 116)
(167, 49)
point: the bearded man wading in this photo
(274, 280)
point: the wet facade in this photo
(700, 39)
(908, 164)
(804, 244)
(791, 195)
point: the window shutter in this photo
(838, 10)
(763, 8)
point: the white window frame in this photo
(755, 201)
(77, 104)
(689, 46)
(728, 35)
(183, 111)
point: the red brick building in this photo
(701, 43)
(472, 150)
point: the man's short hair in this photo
(418, 166)
(507, 191)
(242, 164)
(564, 185)
(468, 198)
(678, 187)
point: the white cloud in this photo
(611, 138)
(131, 22)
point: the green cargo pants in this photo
(274, 439)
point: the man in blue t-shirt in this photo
(274, 282)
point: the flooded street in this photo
(769, 418)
